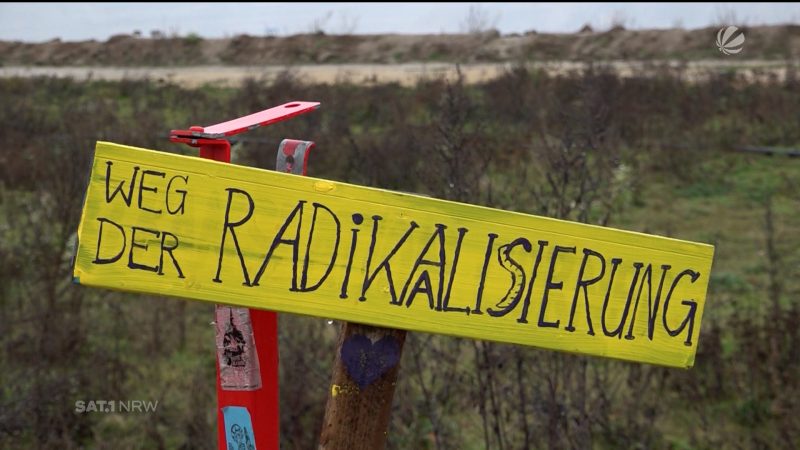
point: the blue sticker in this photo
(238, 428)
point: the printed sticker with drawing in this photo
(236, 349)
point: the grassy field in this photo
(651, 154)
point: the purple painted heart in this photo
(367, 361)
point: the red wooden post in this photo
(247, 339)
(262, 402)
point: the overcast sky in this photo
(35, 22)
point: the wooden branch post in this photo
(362, 388)
(357, 417)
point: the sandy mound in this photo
(765, 43)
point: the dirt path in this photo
(405, 74)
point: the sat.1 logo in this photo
(728, 41)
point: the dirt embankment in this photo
(763, 43)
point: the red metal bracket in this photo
(233, 127)
(211, 140)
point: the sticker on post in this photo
(238, 428)
(236, 350)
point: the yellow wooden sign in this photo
(167, 224)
